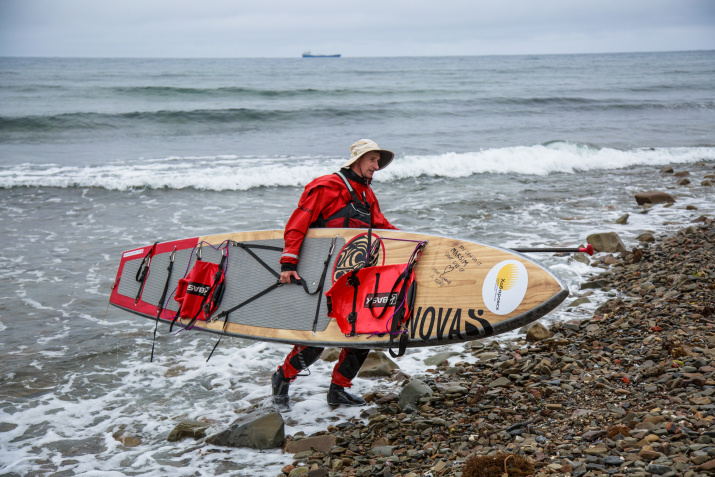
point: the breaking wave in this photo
(243, 173)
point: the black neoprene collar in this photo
(350, 175)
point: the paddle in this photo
(587, 249)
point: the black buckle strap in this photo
(217, 294)
(160, 307)
(223, 332)
(143, 271)
(408, 295)
(397, 319)
(322, 282)
(354, 282)
(374, 294)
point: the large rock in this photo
(646, 237)
(608, 242)
(377, 365)
(580, 301)
(594, 284)
(439, 358)
(319, 443)
(499, 382)
(126, 439)
(193, 429)
(653, 197)
(255, 430)
(411, 394)
(330, 355)
(538, 332)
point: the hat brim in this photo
(385, 158)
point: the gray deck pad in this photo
(286, 307)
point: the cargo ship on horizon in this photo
(308, 54)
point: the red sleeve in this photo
(310, 206)
(315, 200)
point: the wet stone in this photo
(188, 429)
(613, 460)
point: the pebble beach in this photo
(100, 156)
(626, 392)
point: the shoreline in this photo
(628, 391)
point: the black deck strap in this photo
(392, 289)
(368, 254)
(354, 282)
(255, 245)
(228, 312)
(223, 332)
(246, 302)
(397, 322)
(143, 271)
(322, 282)
(374, 294)
(178, 312)
(407, 293)
(401, 345)
(160, 307)
(176, 318)
(218, 287)
(248, 247)
(193, 320)
(304, 284)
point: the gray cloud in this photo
(282, 28)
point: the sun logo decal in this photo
(505, 287)
(507, 277)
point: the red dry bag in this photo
(200, 292)
(373, 299)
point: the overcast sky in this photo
(286, 28)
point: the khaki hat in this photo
(364, 146)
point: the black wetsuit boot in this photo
(337, 396)
(280, 386)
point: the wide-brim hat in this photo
(363, 146)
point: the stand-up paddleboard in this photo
(464, 290)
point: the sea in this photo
(98, 156)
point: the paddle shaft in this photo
(588, 249)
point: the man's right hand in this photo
(288, 274)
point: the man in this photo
(343, 199)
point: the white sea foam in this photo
(36, 305)
(234, 173)
(541, 160)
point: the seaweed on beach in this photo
(498, 465)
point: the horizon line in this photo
(342, 56)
